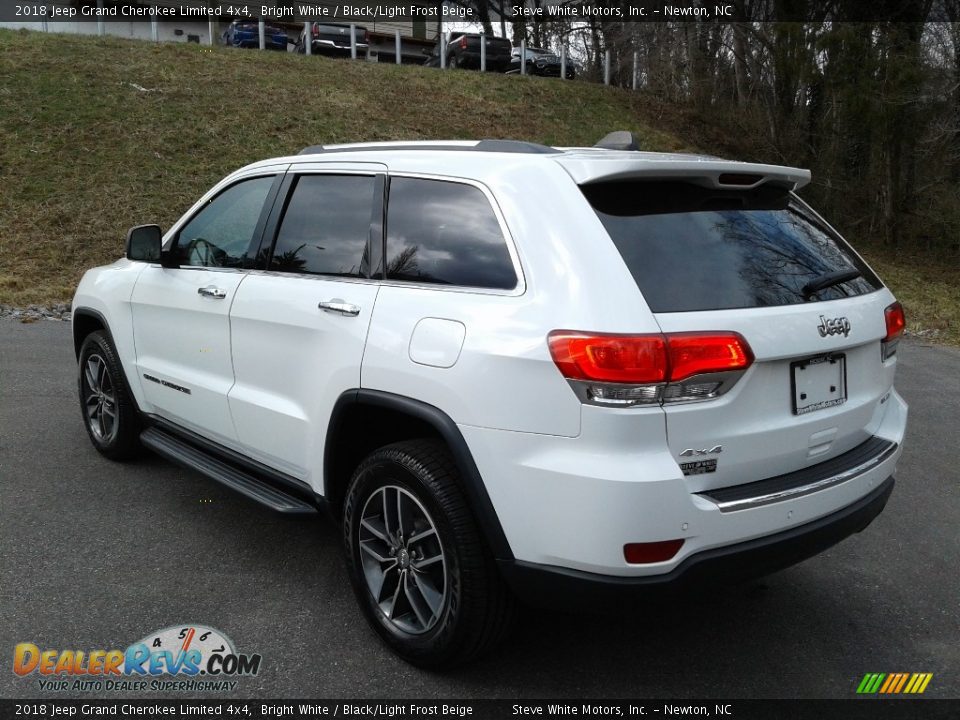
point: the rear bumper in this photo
(546, 585)
(574, 502)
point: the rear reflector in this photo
(652, 552)
(641, 359)
(896, 322)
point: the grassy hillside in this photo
(101, 134)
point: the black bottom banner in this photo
(900, 709)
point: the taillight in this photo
(610, 358)
(896, 322)
(644, 369)
(695, 353)
(463, 42)
(315, 30)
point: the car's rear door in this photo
(721, 260)
(299, 323)
(181, 320)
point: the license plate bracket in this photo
(818, 382)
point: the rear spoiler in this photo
(589, 166)
(593, 167)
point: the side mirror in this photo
(143, 243)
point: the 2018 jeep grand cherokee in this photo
(657, 369)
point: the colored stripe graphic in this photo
(899, 687)
(894, 683)
(892, 680)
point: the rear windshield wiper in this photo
(828, 280)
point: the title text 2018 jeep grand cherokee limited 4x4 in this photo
(655, 370)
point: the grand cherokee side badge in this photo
(834, 326)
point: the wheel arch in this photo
(85, 321)
(363, 420)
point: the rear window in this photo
(693, 248)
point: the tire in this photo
(109, 412)
(431, 612)
(454, 64)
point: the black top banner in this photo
(467, 11)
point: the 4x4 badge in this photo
(834, 326)
(690, 452)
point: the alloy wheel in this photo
(403, 560)
(99, 399)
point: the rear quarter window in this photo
(445, 233)
(693, 248)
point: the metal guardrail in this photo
(398, 44)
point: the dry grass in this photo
(929, 289)
(87, 153)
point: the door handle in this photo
(212, 292)
(339, 306)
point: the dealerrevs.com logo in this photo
(180, 658)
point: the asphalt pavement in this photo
(95, 555)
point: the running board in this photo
(256, 488)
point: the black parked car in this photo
(540, 62)
(463, 51)
(333, 39)
(246, 34)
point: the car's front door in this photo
(181, 315)
(300, 323)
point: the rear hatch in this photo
(739, 252)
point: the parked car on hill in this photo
(463, 51)
(328, 38)
(246, 34)
(540, 62)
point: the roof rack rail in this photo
(514, 146)
(618, 140)
(503, 146)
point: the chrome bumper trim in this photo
(807, 489)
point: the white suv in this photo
(509, 370)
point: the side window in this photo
(219, 235)
(325, 227)
(445, 233)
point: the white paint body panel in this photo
(183, 338)
(106, 291)
(292, 361)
